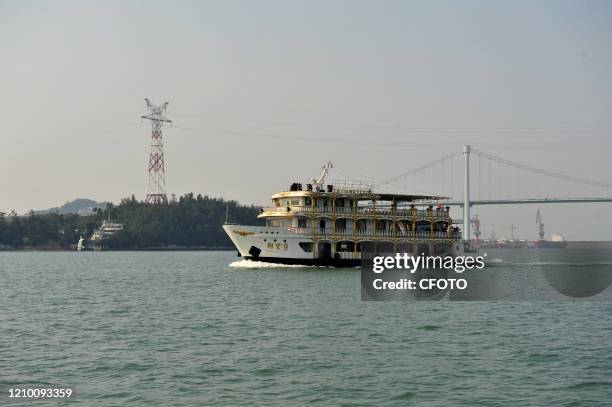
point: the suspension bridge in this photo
(483, 184)
(480, 178)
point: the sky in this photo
(261, 94)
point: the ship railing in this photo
(344, 210)
(423, 213)
(286, 209)
(344, 232)
(369, 233)
(328, 210)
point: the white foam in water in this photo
(546, 263)
(250, 264)
(564, 263)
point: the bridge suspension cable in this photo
(418, 169)
(540, 171)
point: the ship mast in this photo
(318, 183)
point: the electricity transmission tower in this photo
(156, 193)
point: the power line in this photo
(308, 139)
(396, 127)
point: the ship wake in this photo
(250, 264)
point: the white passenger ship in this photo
(107, 229)
(99, 236)
(326, 225)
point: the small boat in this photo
(82, 245)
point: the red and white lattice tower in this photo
(157, 177)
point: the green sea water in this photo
(204, 328)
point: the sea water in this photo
(206, 328)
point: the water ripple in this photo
(186, 329)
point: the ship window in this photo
(306, 246)
(279, 223)
(361, 225)
(295, 202)
(308, 201)
(340, 224)
(301, 223)
(345, 246)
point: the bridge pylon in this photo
(466, 194)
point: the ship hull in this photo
(280, 246)
(549, 244)
(89, 245)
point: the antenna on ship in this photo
(318, 183)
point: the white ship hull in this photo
(276, 245)
(282, 245)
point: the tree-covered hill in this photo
(190, 221)
(74, 206)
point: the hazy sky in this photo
(379, 87)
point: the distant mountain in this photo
(80, 205)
